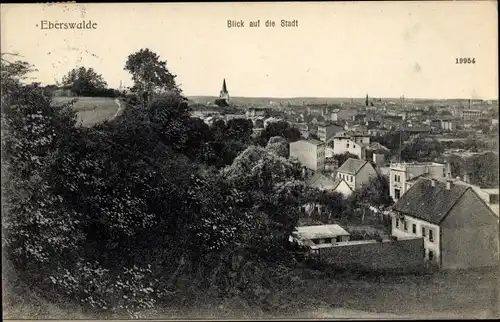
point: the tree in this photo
(341, 158)
(150, 74)
(38, 227)
(420, 149)
(13, 73)
(376, 192)
(278, 145)
(239, 129)
(483, 169)
(273, 188)
(83, 81)
(281, 128)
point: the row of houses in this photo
(457, 222)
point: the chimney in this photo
(448, 184)
(448, 170)
(433, 182)
(466, 178)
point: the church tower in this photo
(224, 94)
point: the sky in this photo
(339, 49)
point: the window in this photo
(397, 193)
(397, 178)
(347, 145)
(414, 228)
(431, 255)
(339, 239)
(327, 240)
(316, 241)
(405, 225)
(396, 220)
(351, 178)
(431, 235)
(423, 231)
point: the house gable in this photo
(469, 211)
(469, 234)
(364, 175)
(343, 188)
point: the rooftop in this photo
(352, 166)
(415, 202)
(415, 164)
(319, 180)
(320, 231)
(315, 142)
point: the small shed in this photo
(320, 235)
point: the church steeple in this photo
(224, 87)
(224, 94)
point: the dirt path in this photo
(119, 111)
(342, 313)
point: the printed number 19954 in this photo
(465, 60)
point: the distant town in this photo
(147, 202)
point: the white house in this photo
(401, 172)
(356, 144)
(356, 172)
(325, 182)
(458, 227)
(309, 153)
(489, 196)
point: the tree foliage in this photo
(149, 73)
(341, 158)
(278, 145)
(281, 128)
(420, 149)
(117, 217)
(376, 192)
(84, 82)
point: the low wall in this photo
(400, 256)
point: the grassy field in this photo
(448, 295)
(91, 110)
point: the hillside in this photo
(91, 110)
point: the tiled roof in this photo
(315, 142)
(310, 141)
(377, 146)
(319, 180)
(432, 204)
(318, 177)
(352, 166)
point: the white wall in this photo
(428, 245)
(340, 147)
(308, 154)
(349, 179)
(409, 171)
(344, 189)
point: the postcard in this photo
(260, 160)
